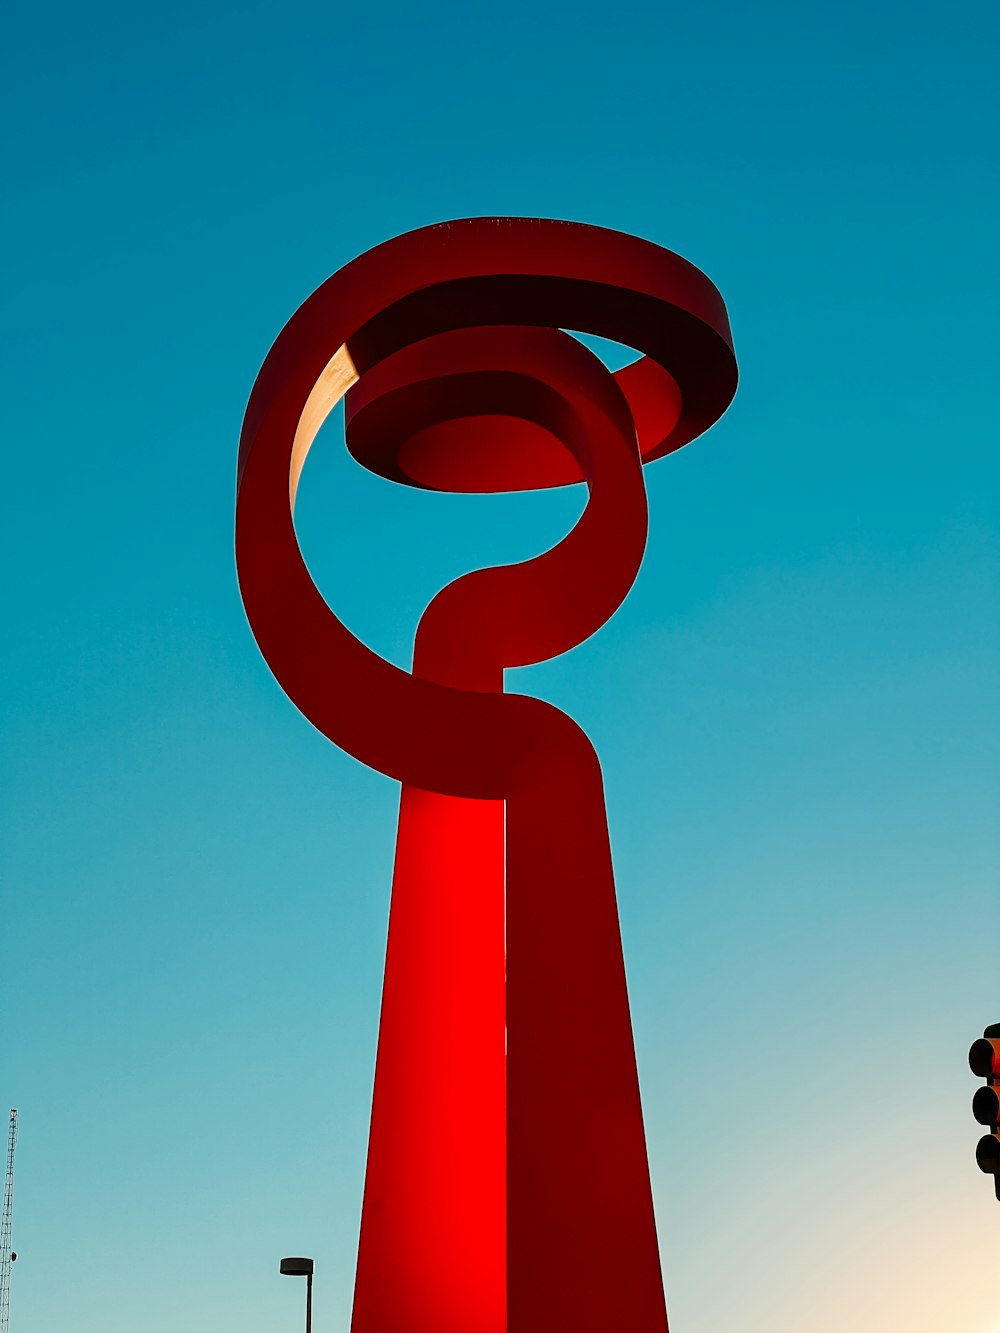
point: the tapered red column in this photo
(432, 1255)
(581, 1238)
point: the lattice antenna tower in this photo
(6, 1254)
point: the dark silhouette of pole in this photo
(298, 1267)
(7, 1255)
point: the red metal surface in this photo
(507, 1184)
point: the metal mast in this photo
(6, 1255)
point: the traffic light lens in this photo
(986, 1106)
(988, 1154)
(984, 1057)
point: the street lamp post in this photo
(302, 1268)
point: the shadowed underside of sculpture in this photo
(507, 1185)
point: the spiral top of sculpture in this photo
(448, 343)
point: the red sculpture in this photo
(507, 1184)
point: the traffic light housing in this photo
(984, 1061)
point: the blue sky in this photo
(796, 709)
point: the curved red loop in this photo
(462, 275)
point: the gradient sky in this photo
(797, 708)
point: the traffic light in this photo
(984, 1061)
